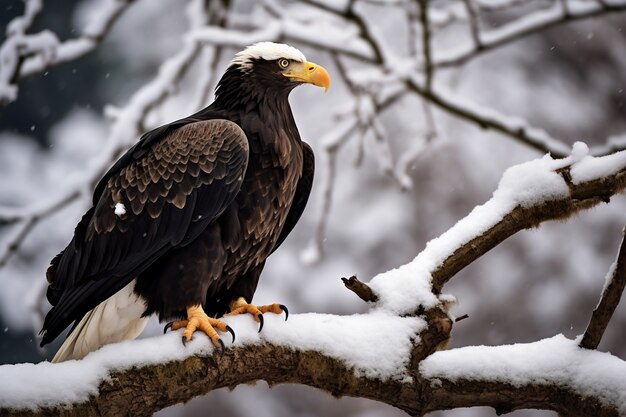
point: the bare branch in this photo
(428, 61)
(473, 24)
(611, 295)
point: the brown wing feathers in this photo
(170, 193)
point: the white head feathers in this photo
(268, 51)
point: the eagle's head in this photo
(270, 68)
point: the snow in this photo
(608, 279)
(361, 341)
(590, 168)
(120, 209)
(532, 182)
(404, 289)
(553, 361)
(579, 151)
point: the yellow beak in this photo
(309, 72)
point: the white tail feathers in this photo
(117, 318)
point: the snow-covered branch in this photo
(525, 26)
(23, 54)
(344, 355)
(573, 381)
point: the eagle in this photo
(182, 224)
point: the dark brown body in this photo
(231, 252)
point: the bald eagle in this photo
(182, 223)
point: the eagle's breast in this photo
(262, 205)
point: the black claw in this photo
(184, 341)
(232, 332)
(167, 327)
(260, 316)
(223, 348)
(286, 310)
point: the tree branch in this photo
(611, 295)
(139, 378)
(23, 54)
(140, 390)
(513, 128)
(526, 26)
(582, 196)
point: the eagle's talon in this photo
(232, 333)
(261, 322)
(184, 341)
(222, 347)
(285, 309)
(241, 306)
(167, 327)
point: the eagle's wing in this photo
(301, 197)
(164, 196)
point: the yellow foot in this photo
(198, 320)
(241, 306)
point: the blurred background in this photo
(394, 168)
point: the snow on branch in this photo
(23, 54)
(349, 355)
(528, 194)
(513, 127)
(555, 371)
(557, 14)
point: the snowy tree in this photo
(414, 83)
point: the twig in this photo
(565, 7)
(611, 295)
(26, 221)
(473, 24)
(349, 14)
(362, 290)
(428, 61)
(463, 317)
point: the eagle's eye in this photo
(283, 63)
